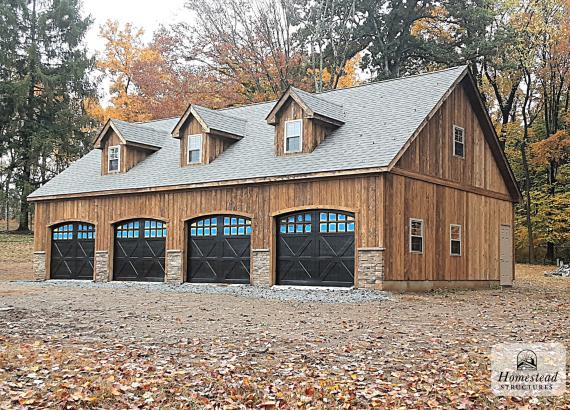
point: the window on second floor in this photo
(416, 235)
(455, 240)
(458, 141)
(195, 149)
(294, 136)
(114, 158)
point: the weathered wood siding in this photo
(432, 151)
(443, 189)
(314, 132)
(191, 127)
(439, 206)
(362, 195)
(130, 155)
(212, 145)
(110, 140)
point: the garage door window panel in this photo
(72, 251)
(219, 249)
(140, 247)
(316, 248)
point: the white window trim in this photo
(300, 137)
(188, 149)
(118, 159)
(410, 236)
(457, 127)
(460, 240)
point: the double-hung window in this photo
(114, 158)
(458, 141)
(294, 136)
(195, 149)
(455, 240)
(416, 235)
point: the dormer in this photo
(302, 121)
(204, 134)
(123, 145)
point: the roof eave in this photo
(142, 145)
(497, 151)
(108, 125)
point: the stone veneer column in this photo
(39, 265)
(101, 266)
(173, 267)
(260, 271)
(370, 268)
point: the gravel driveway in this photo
(121, 345)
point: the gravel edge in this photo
(319, 295)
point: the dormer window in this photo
(114, 158)
(195, 149)
(458, 141)
(293, 136)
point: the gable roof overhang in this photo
(310, 109)
(110, 126)
(235, 129)
(467, 79)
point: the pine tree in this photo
(44, 69)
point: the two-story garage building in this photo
(398, 184)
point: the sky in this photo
(147, 14)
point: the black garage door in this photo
(139, 250)
(316, 248)
(219, 249)
(72, 250)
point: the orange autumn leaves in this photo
(149, 81)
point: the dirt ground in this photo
(130, 348)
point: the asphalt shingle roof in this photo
(321, 106)
(151, 133)
(217, 120)
(379, 119)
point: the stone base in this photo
(101, 266)
(39, 265)
(370, 268)
(425, 285)
(173, 267)
(260, 271)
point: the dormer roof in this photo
(312, 104)
(381, 120)
(138, 134)
(212, 121)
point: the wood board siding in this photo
(431, 153)
(314, 131)
(212, 145)
(361, 195)
(110, 140)
(191, 127)
(130, 155)
(439, 206)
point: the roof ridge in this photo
(156, 120)
(316, 95)
(365, 84)
(248, 105)
(143, 125)
(218, 111)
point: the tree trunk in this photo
(550, 251)
(27, 130)
(530, 234)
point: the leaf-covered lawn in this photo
(16, 256)
(130, 348)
